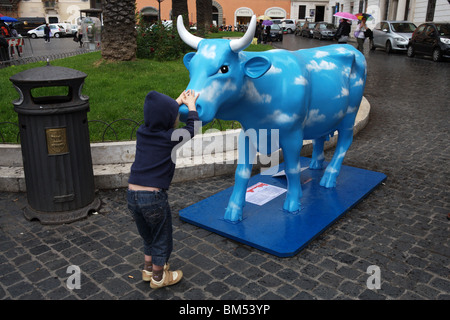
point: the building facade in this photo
(234, 12)
(225, 12)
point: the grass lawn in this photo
(116, 91)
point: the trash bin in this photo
(55, 144)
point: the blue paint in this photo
(305, 94)
(268, 227)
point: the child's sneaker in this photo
(169, 278)
(147, 275)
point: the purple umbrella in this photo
(345, 15)
(267, 23)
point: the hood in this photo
(160, 111)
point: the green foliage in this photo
(159, 42)
(116, 90)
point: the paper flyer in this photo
(261, 193)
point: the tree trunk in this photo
(180, 7)
(119, 33)
(208, 14)
(201, 17)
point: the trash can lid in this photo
(47, 74)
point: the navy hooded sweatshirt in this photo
(153, 165)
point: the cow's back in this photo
(336, 86)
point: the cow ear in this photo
(256, 67)
(187, 59)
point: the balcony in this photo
(50, 4)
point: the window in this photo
(430, 10)
(301, 12)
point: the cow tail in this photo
(357, 80)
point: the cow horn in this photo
(185, 35)
(244, 42)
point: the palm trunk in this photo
(119, 33)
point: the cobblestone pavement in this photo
(401, 227)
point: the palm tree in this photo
(119, 33)
(180, 7)
(204, 16)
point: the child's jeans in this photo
(153, 218)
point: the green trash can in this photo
(54, 137)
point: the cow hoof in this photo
(328, 180)
(291, 206)
(233, 214)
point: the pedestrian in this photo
(47, 33)
(267, 34)
(359, 34)
(4, 45)
(15, 34)
(80, 35)
(258, 31)
(343, 31)
(151, 174)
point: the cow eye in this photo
(223, 69)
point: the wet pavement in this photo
(401, 228)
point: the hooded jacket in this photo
(153, 165)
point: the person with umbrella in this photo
(360, 34)
(343, 31)
(267, 23)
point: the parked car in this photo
(56, 31)
(431, 38)
(298, 28)
(288, 25)
(307, 29)
(324, 30)
(276, 33)
(392, 35)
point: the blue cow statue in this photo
(304, 94)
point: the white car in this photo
(67, 27)
(55, 31)
(288, 25)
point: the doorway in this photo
(320, 13)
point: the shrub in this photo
(159, 42)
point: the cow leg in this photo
(345, 138)
(292, 145)
(317, 154)
(246, 156)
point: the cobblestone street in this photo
(401, 227)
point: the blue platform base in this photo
(268, 228)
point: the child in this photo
(150, 177)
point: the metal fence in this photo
(102, 131)
(21, 52)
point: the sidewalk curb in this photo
(112, 160)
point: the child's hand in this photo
(189, 98)
(179, 100)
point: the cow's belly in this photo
(323, 117)
(328, 104)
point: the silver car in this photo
(392, 35)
